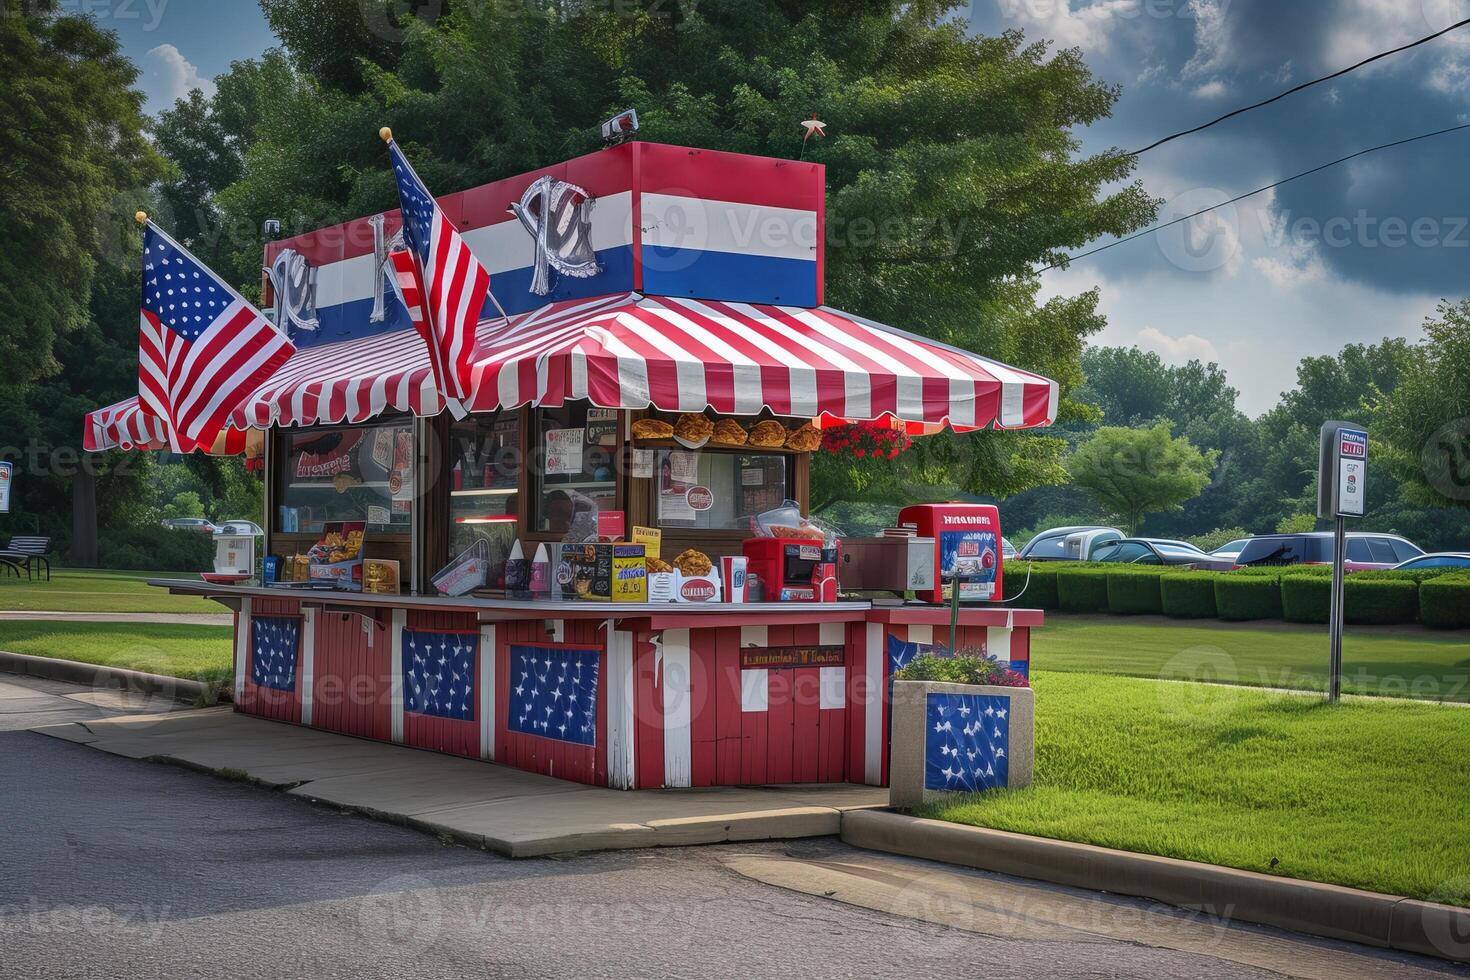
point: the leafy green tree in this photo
(1297, 524)
(1425, 418)
(1136, 472)
(952, 166)
(71, 149)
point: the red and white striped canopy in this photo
(682, 355)
(128, 425)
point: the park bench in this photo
(25, 551)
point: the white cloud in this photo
(174, 75)
(1212, 40)
(1291, 273)
(1189, 347)
(1210, 90)
(1086, 26)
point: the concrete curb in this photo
(1332, 911)
(110, 678)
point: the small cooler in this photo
(967, 542)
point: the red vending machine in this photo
(966, 542)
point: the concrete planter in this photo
(958, 738)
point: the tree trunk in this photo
(84, 518)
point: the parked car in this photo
(1148, 551)
(190, 524)
(1365, 550)
(1007, 550)
(1068, 543)
(241, 527)
(1437, 559)
(1231, 549)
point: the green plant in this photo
(1375, 602)
(1305, 598)
(1082, 588)
(1134, 592)
(1241, 597)
(968, 666)
(1211, 540)
(154, 548)
(1188, 595)
(1444, 602)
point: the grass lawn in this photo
(1400, 661)
(198, 652)
(98, 590)
(1370, 794)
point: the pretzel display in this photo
(652, 429)
(728, 432)
(693, 427)
(807, 439)
(657, 565)
(693, 562)
(769, 434)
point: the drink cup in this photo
(733, 568)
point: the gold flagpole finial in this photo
(386, 134)
(142, 217)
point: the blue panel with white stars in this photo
(554, 693)
(439, 673)
(185, 297)
(966, 741)
(274, 641)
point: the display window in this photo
(346, 473)
(717, 490)
(484, 486)
(575, 450)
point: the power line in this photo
(1303, 85)
(1260, 190)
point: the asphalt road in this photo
(113, 867)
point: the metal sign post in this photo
(1341, 487)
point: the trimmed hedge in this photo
(1243, 597)
(1041, 593)
(1133, 593)
(1188, 595)
(1306, 598)
(1444, 602)
(1082, 589)
(1379, 603)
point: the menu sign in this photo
(564, 450)
(796, 656)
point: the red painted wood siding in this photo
(550, 756)
(352, 676)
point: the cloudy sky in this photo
(1353, 254)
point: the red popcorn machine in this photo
(966, 545)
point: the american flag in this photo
(443, 284)
(439, 673)
(201, 347)
(966, 740)
(273, 645)
(554, 693)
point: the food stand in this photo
(644, 600)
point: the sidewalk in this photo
(515, 813)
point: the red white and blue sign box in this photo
(1352, 443)
(966, 742)
(661, 220)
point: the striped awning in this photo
(675, 354)
(128, 425)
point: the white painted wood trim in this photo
(306, 676)
(832, 687)
(395, 672)
(998, 643)
(874, 660)
(678, 745)
(621, 752)
(755, 689)
(488, 653)
(832, 634)
(921, 634)
(242, 647)
(754, 636)
(558, 629)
